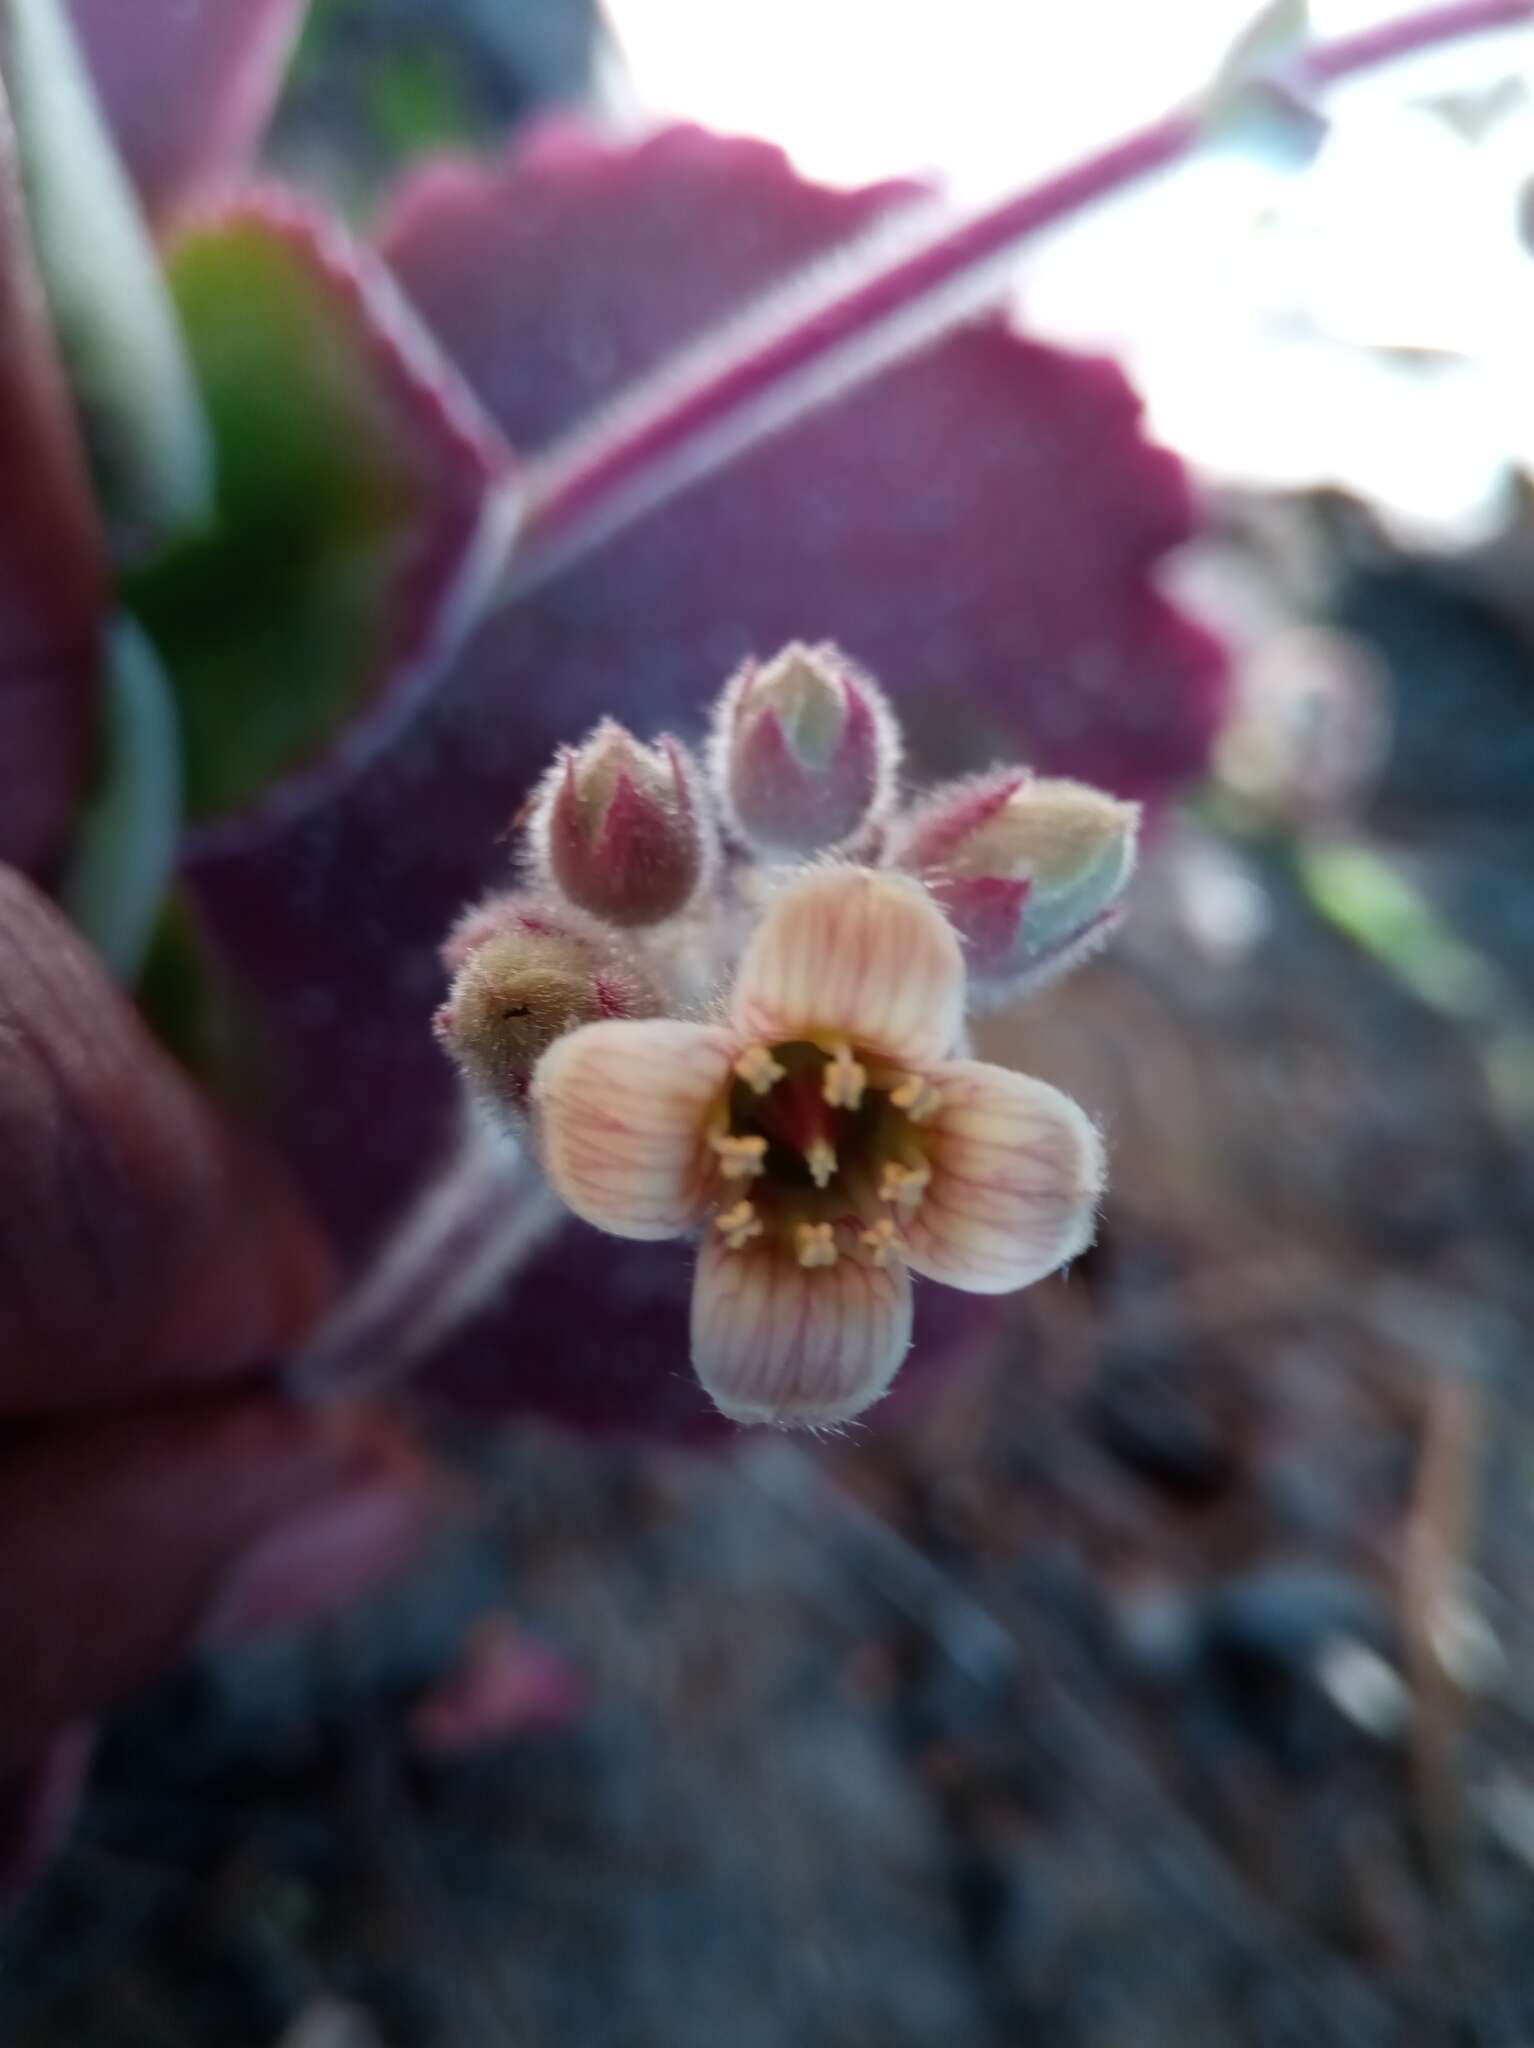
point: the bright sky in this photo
(988, 92)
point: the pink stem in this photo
(1408, 35)
(468, 1230)
(603, 466)
(581, 492)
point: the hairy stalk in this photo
(855, 314)
(482, 1215)
(865, 308)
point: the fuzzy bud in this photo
(524, 973)
(620, 828)
(1029, 872)
(804, 751)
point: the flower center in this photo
(818, 1146)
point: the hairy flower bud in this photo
(1029, 871)
(620, 828)
(804, 750)
(524, 973)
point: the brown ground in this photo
(1164, 1677)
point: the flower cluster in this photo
(731, 1003)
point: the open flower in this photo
(826, 1142)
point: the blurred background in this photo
(1164, 1671)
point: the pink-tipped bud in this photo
(524, 973)
(620, 828)
(805, 750)
(1030, 872)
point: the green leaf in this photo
(1378, 908)
(1369, 899)
(125, 849)
(140, 413)
(353, 480)
(417, 101)
(53, 569)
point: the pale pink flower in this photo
(826, 1142)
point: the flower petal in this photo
(623, 1107)
(774, 1341)
(1017, 1169)
(856, 951)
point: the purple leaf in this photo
(188, 85)
(979, 526)
(52, 574)
(606, 257)
(982, 521)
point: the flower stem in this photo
(462, 1237)
(901, 288)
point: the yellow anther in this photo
(759, 1070)
(917, 1097)
(817, 1245)
(738, 1225)
(883, 1241)
(739, 1158)
(903, 1185)
(821, 1159)
(844, 1080)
